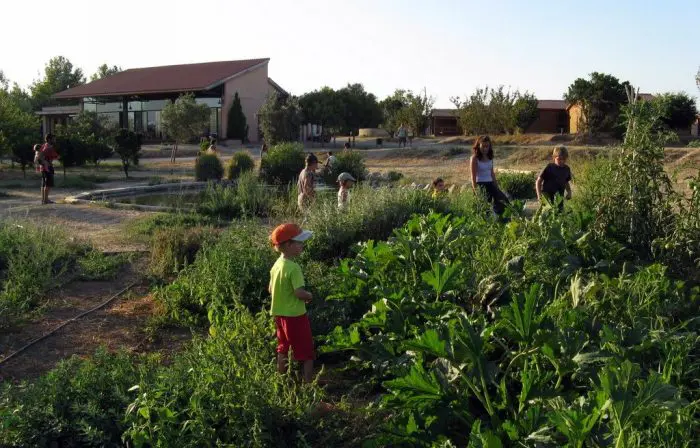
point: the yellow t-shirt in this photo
(285, 277)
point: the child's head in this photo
(37, 148)
(49, 138)
(311, 162)
(346, 145)
(439, 184)
(346, 180)
(330, 153)
(213, 144)
(560, 155)
(482, 147)
(288, 239)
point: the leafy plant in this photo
(518, 185)
(240, 163)
(351, 162)
(282, 164)
(208, 167)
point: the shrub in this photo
(233, 270)
(128, 146)
(79, 403)
(32, 258)
(219, 201)
(694, 144)
(224, 391)
(282, 163)
(253, 198)
(204, 145)
(174, 248)
(351, 162)
(518, 185)
(98, 266)
(239, 163)
(394, 176)
(208, 167)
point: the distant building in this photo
(135, 98)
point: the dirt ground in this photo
(119, 325)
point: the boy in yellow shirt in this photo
(289, 299)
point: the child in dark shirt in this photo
(554, 179)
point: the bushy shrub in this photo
(282, 163)
(224, 391)
(394, 176)
(247, 198)
(235, 270)
(208, 167)
(240, 163)
(370, 214)
(79, 403)
(350, 162)
(174, 248)
(694, 144)
(518, 185)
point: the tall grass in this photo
(32, 259)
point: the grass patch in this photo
(174, 248)
(96, 265)
(148, 225)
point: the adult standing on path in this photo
(402, 133)
(49, 154)
(484, 176)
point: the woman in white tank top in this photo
(484, 176)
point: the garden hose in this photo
(73, 319)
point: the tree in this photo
(104, 71)
(184, 120)
(128, 146)
(678, 111)
(323, 107)
(359, 108)
(525, 111)
(59, 75)
(237, 128)
(416, 111)
(18, 129)
(496, 110)
(391, 106)
(600, 98)
(95, 133)
(280, 118)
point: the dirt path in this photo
(120, 325)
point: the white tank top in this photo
(483, 171)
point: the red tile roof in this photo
(551, 104)
(169, 78)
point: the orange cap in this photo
(289, 231)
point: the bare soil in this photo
(121, 325)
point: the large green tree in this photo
(392, 107)
(600, 98)
(678, 110)
(360, 108)
(59, 75)
(237, 126)
(104, 71)
(95, 132)
(19, 130)
(183, 120)
(323, 107)
(280, 118)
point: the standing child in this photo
(289, 299)
(346, 182)
(554, 179)
(484, 176)
(439, 188)
(48, 155)
(306, 183)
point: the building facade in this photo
(135, 98)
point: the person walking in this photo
(48, 155)
(401, 133)
(484, 176)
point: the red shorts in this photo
(295, 332)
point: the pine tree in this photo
(237, 126)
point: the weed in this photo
(173, 248)
(97, 266)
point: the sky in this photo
(448, 47)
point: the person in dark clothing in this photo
(553, 181)
(484, 176)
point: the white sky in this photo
(448, 46)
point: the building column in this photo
(125, 113)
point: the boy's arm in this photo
(538, 187)
(473, 172)
(303, 294)
(568, 190)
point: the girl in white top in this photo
(484, 176)
(346, 182)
